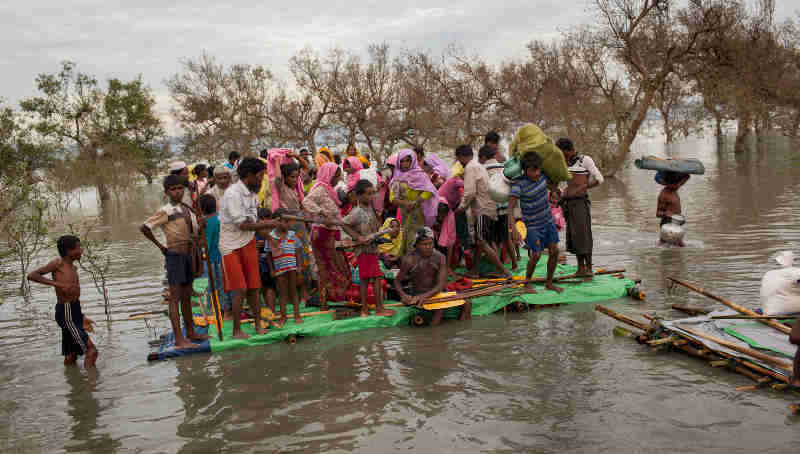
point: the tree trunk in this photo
(718, 130)
(103, 196)
(745, 124)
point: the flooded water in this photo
(548, 381)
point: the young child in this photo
(669, 202)
(361, 222)
(265, 265)
(208, 206)
(282, 244)
(74, 325)
(530, 191)
(178, 223)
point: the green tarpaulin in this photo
(601, 288)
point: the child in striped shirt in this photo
(283, 244)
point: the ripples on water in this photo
(548, 381)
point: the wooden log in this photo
(741, 309)
(623, 318)
(693, 311)
(744, 350)
(750, 317)
(663, 340)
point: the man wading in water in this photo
(425, 273)
(576, 205)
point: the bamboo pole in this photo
(623, 318)
(744, 350)
(750, 317)
(738, 308)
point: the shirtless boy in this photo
(425, 271)
(669, 202)
(74, 325)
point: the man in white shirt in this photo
(576, 204)
(484, 209)
(237, 243)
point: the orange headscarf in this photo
(323, 155)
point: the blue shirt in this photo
(533, 201)
(212, 239)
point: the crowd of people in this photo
(292, 227)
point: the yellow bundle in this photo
(530, 138)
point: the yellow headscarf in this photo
(457, 170)
(394, 248)
(323, 155)
(264, 193)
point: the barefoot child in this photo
(177, 222)
(74, 325)
(530, 191)
(208, 206)
(282, 244)
(361, 222)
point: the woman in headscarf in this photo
(352, 168)
(323, 155)
(436, 169)
(390, 253)
(352, 151)
(414, 193)
(387, 208)
(288, 195)
(323, 201)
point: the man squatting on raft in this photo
(74, 325)
(576, 205)
(425, 273)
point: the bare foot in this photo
(198, 337)
(91, 358)
(260, 331)
(240, 335)
(551, 286)
(384, 313)
(280, 322)
(298, 319)
(366, 313)
(185, 344)
(529, 289)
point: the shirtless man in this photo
(669, 202)
(74, 325)
(576, 205)
(425, 270)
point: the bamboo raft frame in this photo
(658, 337)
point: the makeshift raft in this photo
(737, 338)
(602, 287)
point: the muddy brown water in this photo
(554, 380)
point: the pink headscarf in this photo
(418, 180)
(352, 178)
(324, 176)
(275, 158)
(452, 190)
(438, 166)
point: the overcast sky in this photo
(113, 38)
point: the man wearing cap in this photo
(222, 180)
(423, 274)
(180, 168)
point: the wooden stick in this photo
(741, 309)
(142, 314)
(744, 350)
(690, 310)
(750, 317)
(623, 318)
(312, 220)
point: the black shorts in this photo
(501, 229)
(485, 229)
(265, 270)
(179, 268)
(74, 339)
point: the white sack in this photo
(780, 289)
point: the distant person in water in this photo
(576, 205)
(423, 274)
(74, 325)
(179, 224)
(669, 202)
